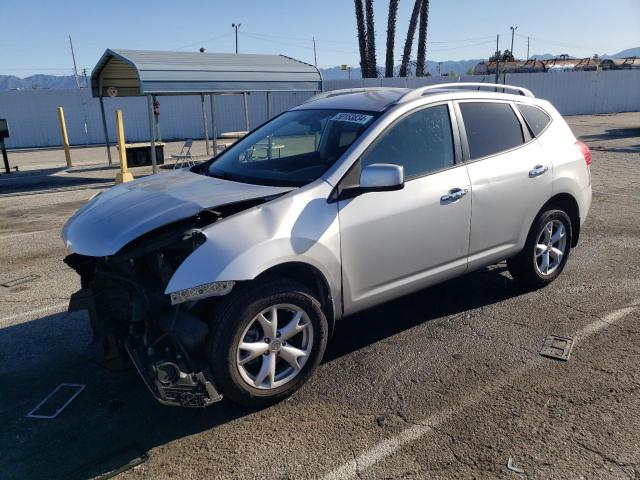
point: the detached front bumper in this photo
(167, 353)
(169, 384)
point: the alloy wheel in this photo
(550, 247)
(275, 346)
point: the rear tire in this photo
(545, 252)
(271, 366)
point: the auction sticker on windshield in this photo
(360, 118)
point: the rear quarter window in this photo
(536, 118)
(491, 128)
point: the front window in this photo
(293, 149)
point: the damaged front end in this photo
(134, 321)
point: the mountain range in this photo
(460, 67)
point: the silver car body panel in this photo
(370, 248)
(124, 212)
(394, 243)
(298, 227)
(569, 174)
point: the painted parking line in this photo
(422, 427)
(33, 313)
(25, 234)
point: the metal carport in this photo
(152, 73)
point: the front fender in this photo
(298, 227)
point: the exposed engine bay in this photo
(134, 321)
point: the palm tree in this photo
(422, 38)
(371, 41)
(391, 34)
(362, 37)
(406, 54)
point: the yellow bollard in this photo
(123, 175)
(65, 138)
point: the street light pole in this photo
(236, 26)
(513, 31)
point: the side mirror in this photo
(381, 177)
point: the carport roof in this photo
(142, 72)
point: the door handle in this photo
(453, 195)
(538, 170)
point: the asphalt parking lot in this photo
(446, 383)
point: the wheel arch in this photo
(567, 203)
(312, 278)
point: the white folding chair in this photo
(184, 158)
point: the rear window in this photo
(535, 118)
(491, 128)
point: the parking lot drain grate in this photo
(557, 347)
(513, 467)
(20, 281)
(56, 401)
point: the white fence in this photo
(572, 93)
(33, 120)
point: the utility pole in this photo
(75, 69)
(527, 47)
(439, 66)
(86, 81)
(513, 32)
(236, 26)
(497, 58)
(315, 58)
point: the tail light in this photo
(585, 152)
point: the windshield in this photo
(293, 149)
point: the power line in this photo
(205, 41)
(458, 47)
(550, 42)
(307, 47)
(286, 37)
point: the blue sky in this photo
(33, 33)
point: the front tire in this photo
(545, 252)
(268, 339)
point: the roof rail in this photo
(418, 92)
(344, 91)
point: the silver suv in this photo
(228, 277)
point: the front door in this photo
(396, 242)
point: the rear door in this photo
(510, 178)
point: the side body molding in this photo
(297, 227)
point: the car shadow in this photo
(612, 134)
(477, 289)
(115, 420)
(629, 149)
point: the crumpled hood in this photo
(124, 212)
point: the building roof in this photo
(141, 72)
(533, 65)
